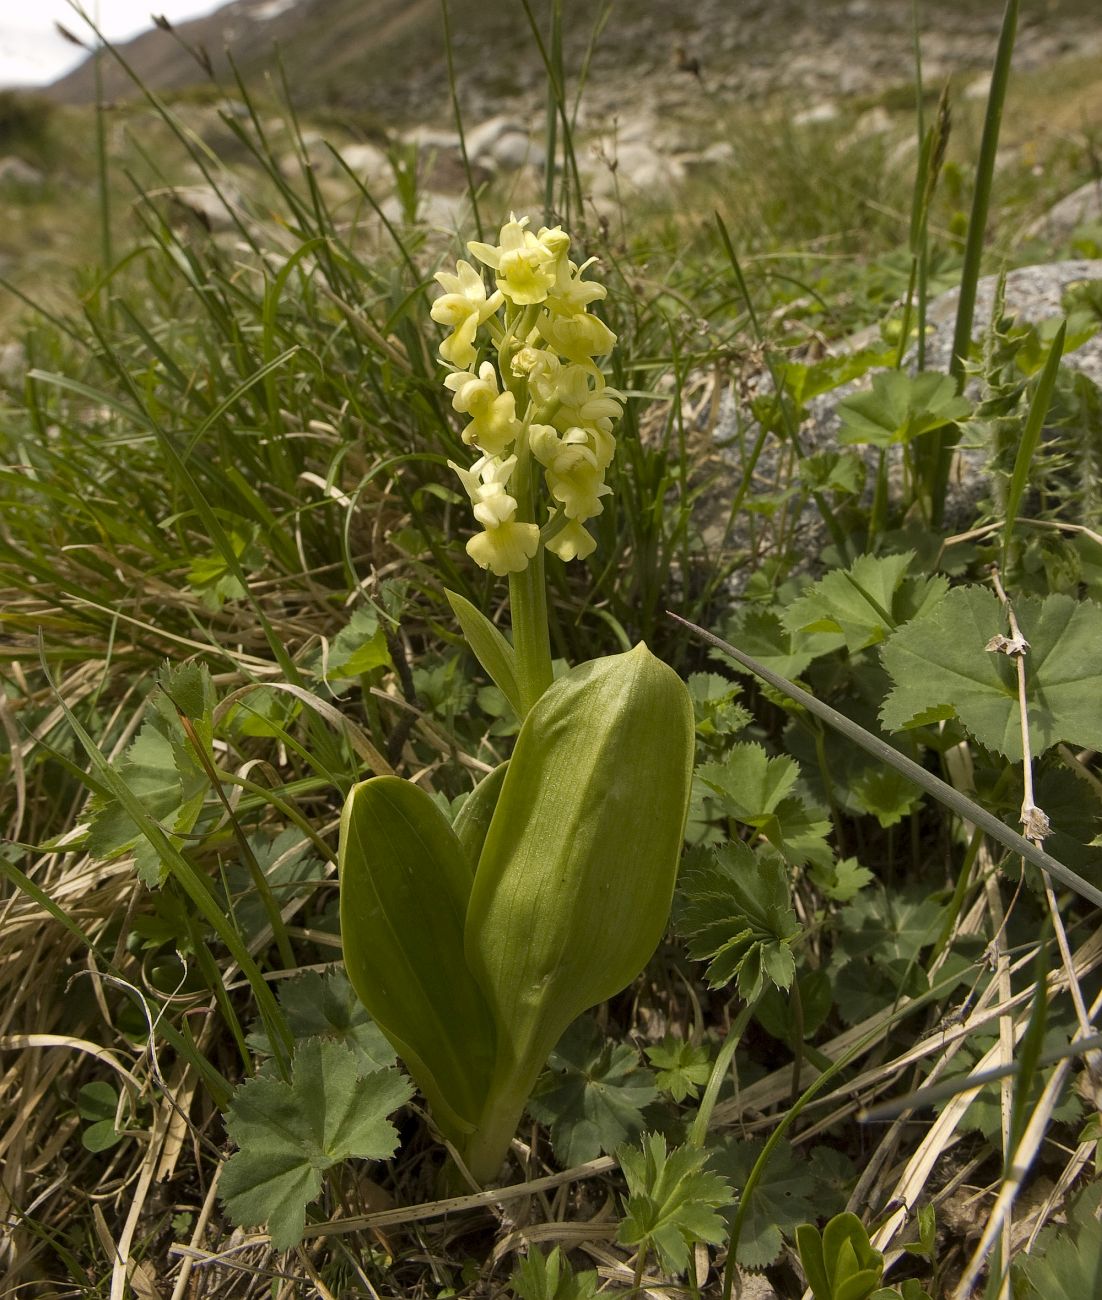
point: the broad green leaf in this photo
(672, 1201)
(326, 1006)
(550, 1277)
(290, 867)
(289, 1134)
(941, 662)
(833, 471)
(682, 1069)
(734, 909)
(899, 407)
(1066, 1262)
(840, 1263)
(405, 882)
(888, 925)
(783, 1197)
(592, 1094)
(776, 1010)
(490, 648)
(573, 888)
(97, 1104)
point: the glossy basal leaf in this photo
(940, 662)
(573, 888)
(490, 648)
(404, 887)
(289, 1134)
(474, 817)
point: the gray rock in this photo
(1076, 209)
(14, 171)
(1032, 292)
(482, 140)
(13, 362)
(367, 162)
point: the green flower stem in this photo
(531, 641)
(485, 1149)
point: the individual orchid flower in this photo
(579, 338)
(505, 545)
(463, 307)
(572, 542)
(494, 425)
(525, 264)
(584, 398)
(571, 294)
(574, 477)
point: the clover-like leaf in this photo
(672, 1200)
(289, 1134)
(941, 667)
(592, 1095)
(734, 909)
(899, 407)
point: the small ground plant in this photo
(720, 901)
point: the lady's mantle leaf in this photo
(900, 407)
(682, 1068)
(326, 1006)
(784, 1197)
(593, 1094)
(733, 907)
(289, 1134)
(672, 1200)
(940, 666)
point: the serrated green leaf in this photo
(749, 782)
(326, 1006)
(840, 881)
(1066, 1263)
(783, 1198)
(888, 926)
(732, 907)
(682, 1069)
(761, 634)
(900, 407)
(550, 1277)
(289, 1134)
(359, 647)
(832, 471)
(855, 602)
(161, 770)
(941, 662)
(592, 1095)
(672, 1200)
(885, 794)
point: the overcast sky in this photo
(32, 52)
